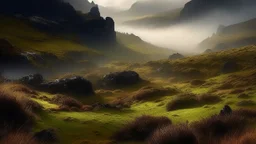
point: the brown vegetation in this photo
(217, 127)
(246, 138)
(150, 92)
(189, 100)
(179, 134)
(14, 116)
(141, 128)
(66, 101)
(18, 138)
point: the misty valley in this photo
(128, 72)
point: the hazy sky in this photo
(125, 4)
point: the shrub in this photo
(18, 138)
(237, 91)
(141, 128)
(13, 114)
(183, 101)
(67, 101)
(149, 92)
(180, 134)
(217, 127)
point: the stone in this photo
(119, 79)
(74, 85)
(33, 79)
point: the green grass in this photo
(99, 125)
(20, 34)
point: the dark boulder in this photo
(74, 85)
(175, 56)
(33, 79)
(119, 79)
(230, 66)
(226, 111)
(46, 136)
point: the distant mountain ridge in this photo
(226, 37)
(197, 8)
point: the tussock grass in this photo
(19, 138)
(217, 127)
(189, 100)
(67, 102)
(141, 128)
(14, 116)
(179, 134)
(151, 92)
(248, 137)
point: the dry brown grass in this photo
(246, 138)
(141, 128)
(151, 92)
(13, 115)
(18, 138)
(217, 127)
(179, 134)
(66, 101)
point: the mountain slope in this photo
(157, 20)
(138, 45)
(232, 36)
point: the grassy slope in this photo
(231, 35)
(97, 126)
(160, 19)
(25, 38)
(136, 44)
(208, 64)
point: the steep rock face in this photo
(81, 5)
(57, 16)
(196, 8)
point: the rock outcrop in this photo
(175, 56)
(74, 85)
(57, 16)
(119, 79)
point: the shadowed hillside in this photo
(232, 36)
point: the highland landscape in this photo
(128, 72)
